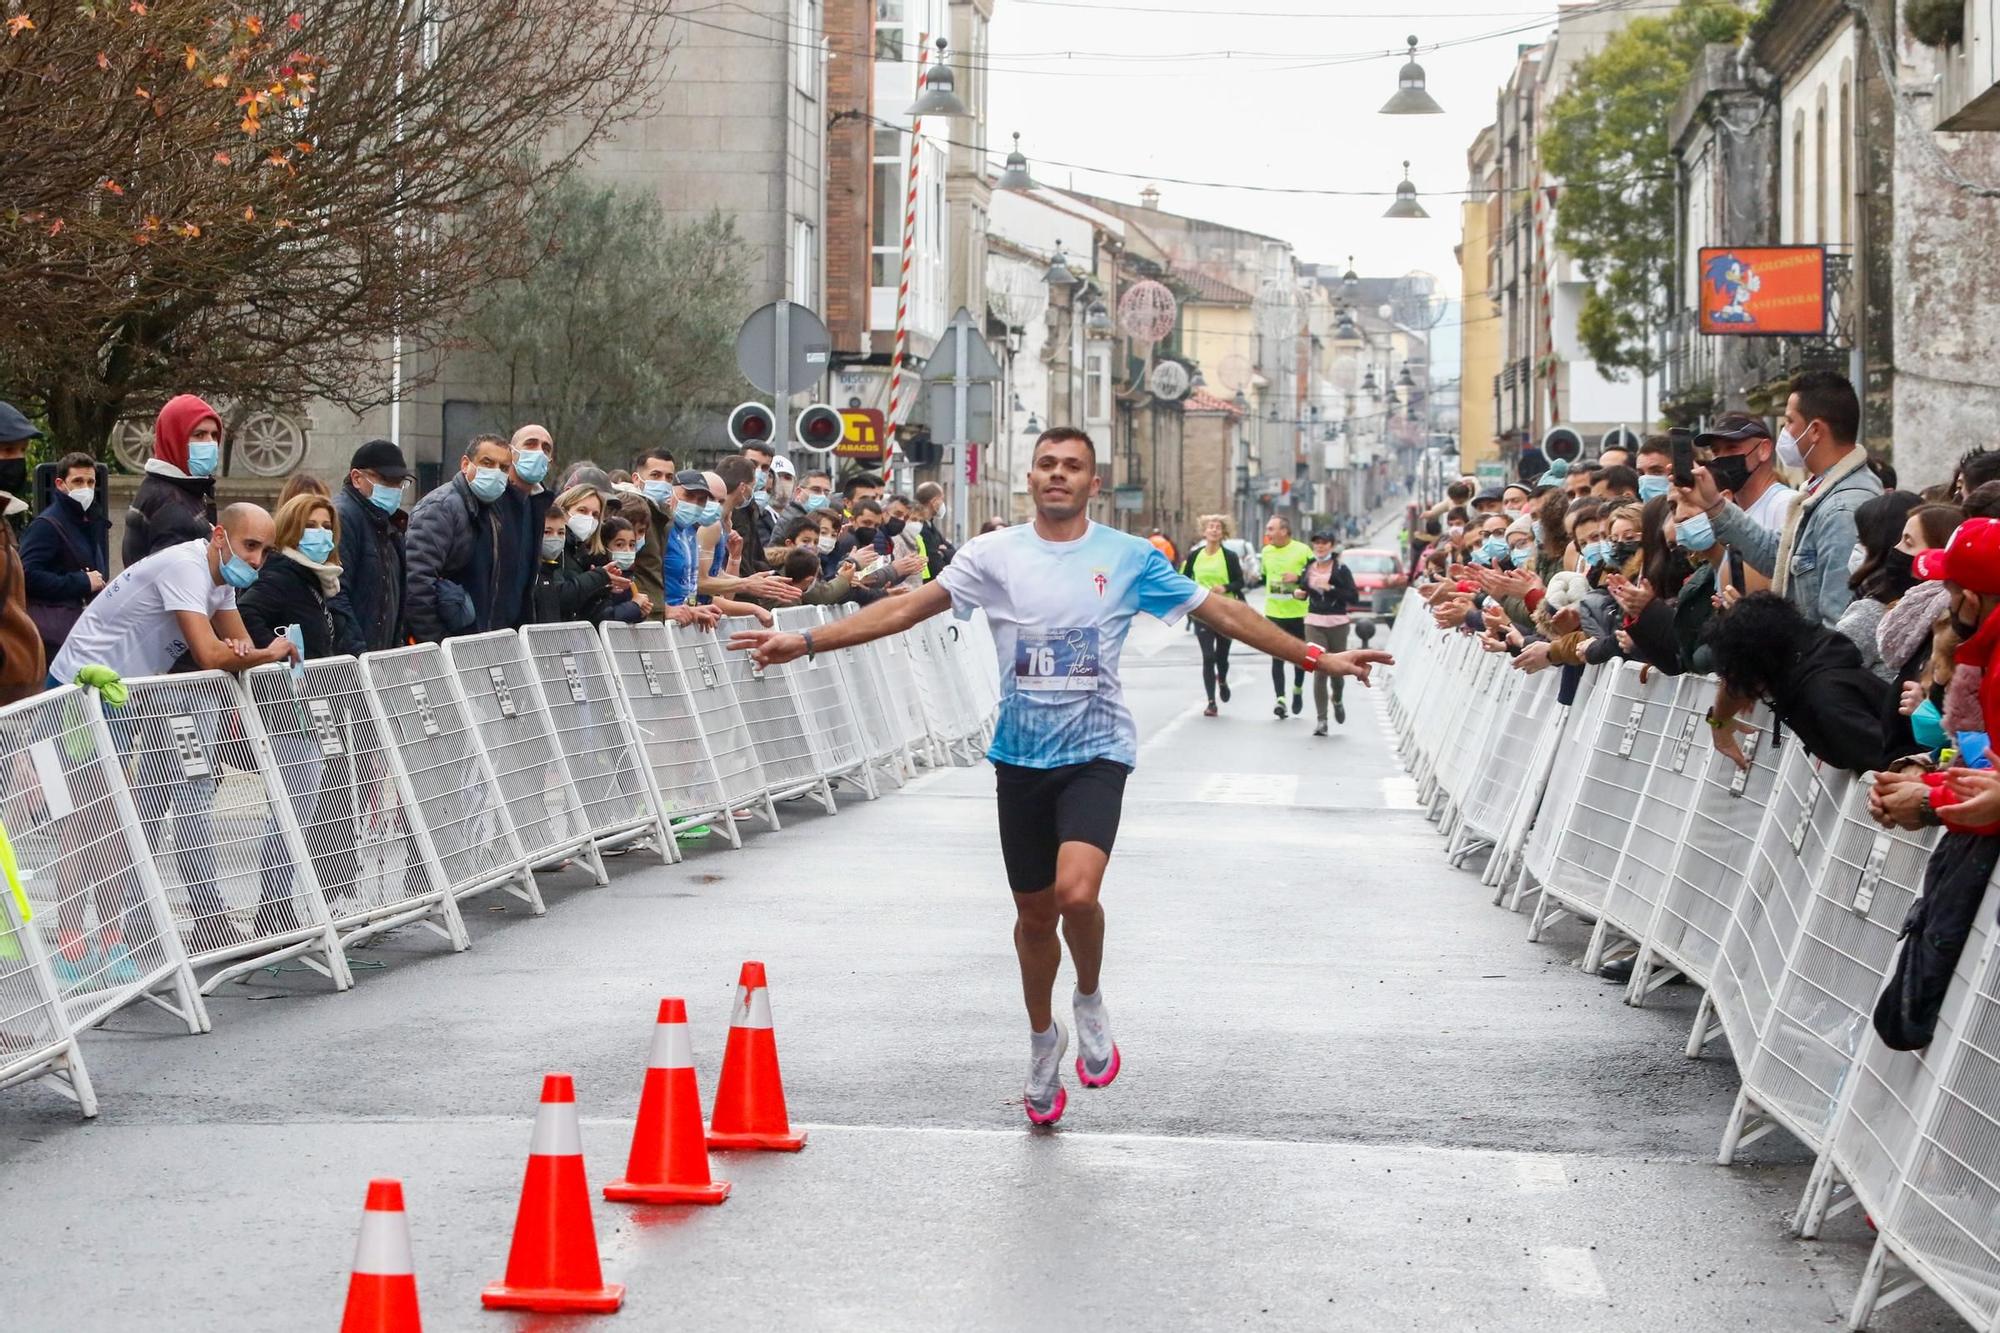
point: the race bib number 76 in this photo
(1048, 660)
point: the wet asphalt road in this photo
(1353, 1097)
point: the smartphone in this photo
(1683, 449)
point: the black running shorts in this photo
(1043, 808)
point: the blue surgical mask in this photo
(815, 502)
(711, 513)
(316, 543)
(531, 465)
(624, 559)
(1694, 533)
(1597, 552)
(659, 492)
(386, 498)
(1523, 556)
(203, 455)
(1652, 488)
(237, 572)
(687, 514)
(638, 543)
(488, 482)
(1479, 556)
(1495, 549)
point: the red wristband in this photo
(1313, 653)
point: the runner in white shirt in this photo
(1060, 594)
(179, 600)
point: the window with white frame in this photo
(885, 238)
(805, 263)
(1097, 384)
(889, 29)
(804, 38)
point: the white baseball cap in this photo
(783, 466)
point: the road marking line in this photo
(1570, 1271)
(1249, 789)
(1163, 733)
(1541, 1174)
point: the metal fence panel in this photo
(36, 1041)
(1846, 946)
(236, 873)
(1710, 861)
(1638, 879)
(374, 860)
(417, 705)
(1630, 730)
(1764, 921)
(511, 724)
(772, 718)
(96, 898)
(1876, 1132)
(597, 740)
(1458, 763)
(899, 679)
(738, 765)
(1944, 1220)
(832, 708)
(1523, 705)
(662, 708)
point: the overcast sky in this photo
(1295, 108)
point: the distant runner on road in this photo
(1060, 595)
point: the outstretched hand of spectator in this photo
(1913, 697)
(1632, 598)
(1567, 621)
(1896, 799)
(1508, 582)
(1533, 658)
(1978, 790)
(1726, 744)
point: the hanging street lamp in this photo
(1015, 178)
(939, 97)
(1410, 98)
(1406, 205)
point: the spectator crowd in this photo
(1792, 569)
(509, 539)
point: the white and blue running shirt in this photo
(1060, 612)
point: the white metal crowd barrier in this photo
(233, 823)
(1771, 889)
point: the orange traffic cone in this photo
(382, 1293)
(553, 1265)
(750, 1096)
(669, 1162)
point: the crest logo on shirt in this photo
(1102, 580)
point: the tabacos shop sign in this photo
(1762, 291)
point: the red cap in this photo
(1971, 559)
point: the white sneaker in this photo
(1097, 1055)
(1044, 1098)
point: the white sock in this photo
(1044, 1041)
(1091, 1006)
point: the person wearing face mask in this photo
(1743, 461)
(1806, 560)
(299, 583)
(1909, 636)
(1655, 465)
(783, 480)
(522, 511)
(652, 484)
(929, 514)
(812, 495)
(65, 550)
(1879, 573)
(22, 656)
(175, 501)
(455, 539)
(373, 568)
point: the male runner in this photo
(1060, 595)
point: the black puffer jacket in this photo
(451, 536)
(371, 571)
(166, 512)
(1338, 595)
(289, 593)
(1842, 712)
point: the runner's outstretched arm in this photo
(891, 615)
(1234, 620)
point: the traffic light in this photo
(819, 428)
(752, 423)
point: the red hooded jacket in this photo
(176, 422)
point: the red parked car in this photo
(1378, 576)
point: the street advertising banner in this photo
(867, 435)
(1762, 291)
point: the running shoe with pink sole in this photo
(1097, 1060)
(1044, 1098)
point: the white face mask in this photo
(825, 545)
(583, 525)
(1856, 557)
(1788, 449)
(83, 495)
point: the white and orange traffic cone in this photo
(382, 1293)
(750, 1095)
(553, 1265)
(669, 1162)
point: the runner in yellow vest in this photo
(1285, 562)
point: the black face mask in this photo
(14, 476)
(892, 527)
(1731, 471)
(863, 535)
(1896, 574)
(1623, 551)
